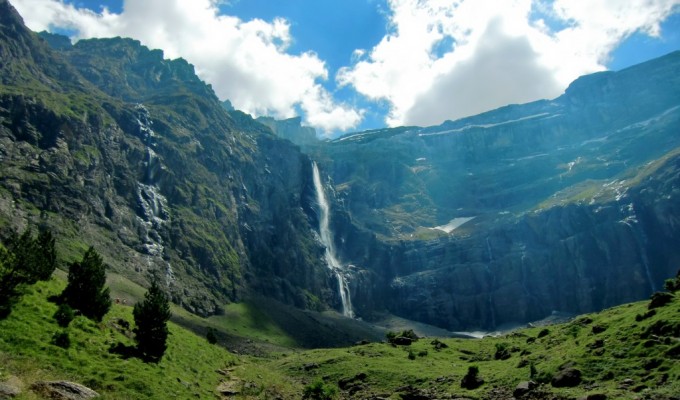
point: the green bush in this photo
(471, 380)
(673, 285)
(660, 299)
(211, 335)
(502, 351)
(543, 377)
(61, 339)
(318, 390)
(64, 315)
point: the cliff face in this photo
(291, 129)
(566, 205)
(111, 145)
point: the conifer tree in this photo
(86, 290)
(151, 317)
(25, 261)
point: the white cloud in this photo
(244, 61)
(499, 52)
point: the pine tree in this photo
(25, 261)
(151, 317)
(86, 289)
(46, 255)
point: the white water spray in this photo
(327, 239)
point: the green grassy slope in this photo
(609, 348)
(618, 355)
(26, 354)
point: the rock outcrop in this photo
(63, 390)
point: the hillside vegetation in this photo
(626, 352)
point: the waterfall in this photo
(327, 240)
(153, 211)
(640, 240)
(492, 278)
(488, 249)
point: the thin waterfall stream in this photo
(327, 240)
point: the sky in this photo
(349, 65)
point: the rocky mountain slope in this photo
(566, 205)
(113, 146)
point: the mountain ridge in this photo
(108, 143)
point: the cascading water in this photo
(327, 239)
(641, 240)
(153, 214)
(492, 278)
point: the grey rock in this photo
(63, 390)
(8, 391)
(568, 377)
(523, 388)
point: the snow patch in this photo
(486, 126)
(453, 224)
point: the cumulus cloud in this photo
(502, 70)
(445, 59)
(244, 61)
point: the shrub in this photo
(642, 317)
(211, 335)
(543, 377)
(318, 390)
(403, 338)
(438, 345)
(502, 351)
(673, 285)
(61, 339)
(411, 355)
(471, 380)
(660, 299)
(64, 315)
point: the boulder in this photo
(523, 388)
(568, 377)
(230, 388)
(401, 341)
(8, 391)
(346, 383)
(63, 390)
(595, 396)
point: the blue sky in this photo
(362, 64)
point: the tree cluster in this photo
(23, 261)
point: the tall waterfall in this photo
(327, 239)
